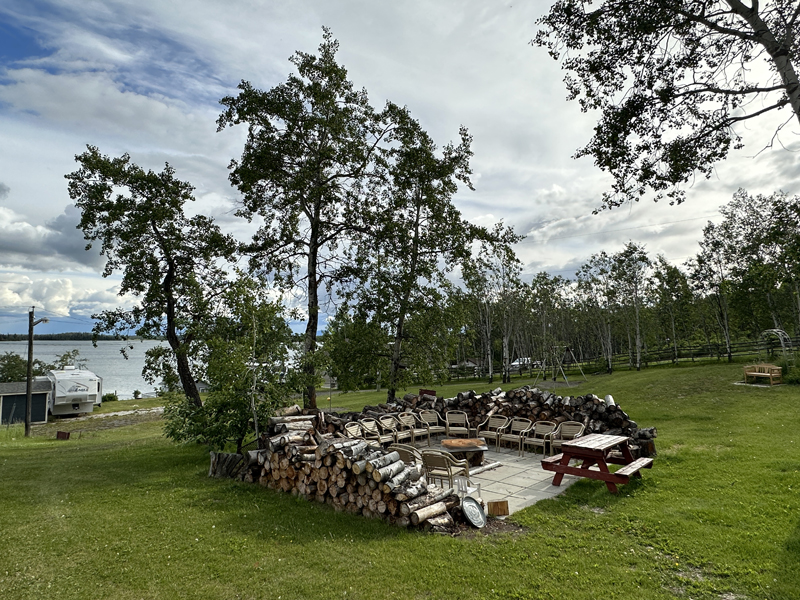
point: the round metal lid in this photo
(473, 512)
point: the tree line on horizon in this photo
(70, 336)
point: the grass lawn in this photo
(131, 404)
(124, 513)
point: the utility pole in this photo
(29, 386)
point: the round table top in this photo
(465, 444)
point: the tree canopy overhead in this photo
(672, 79)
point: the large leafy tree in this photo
(310, 149)
(545, 304)
(710, 273)
(14, 367)
(492, 278)
(416, 236)
(597, 298)
(170, 262)
(672, 79)
(356, 344)
(758, 244)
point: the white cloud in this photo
(57, 246)
(73, 296)
(145, 78)
(97, 105)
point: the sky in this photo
(145, 78)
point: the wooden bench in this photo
(765, 371)
(633, 468)
(629, 469)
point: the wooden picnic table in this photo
(595, 449)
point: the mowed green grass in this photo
(124, 513)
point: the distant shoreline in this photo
(70, 336)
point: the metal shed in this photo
(13, 396)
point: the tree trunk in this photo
(638, 332)
(310, 340)
(674, 337)
(722, 305)
(506, 358)
(778, 52)
(411, 277)
(179, 349)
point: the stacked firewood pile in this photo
(598, 415)
(350, 475)
(309, 455)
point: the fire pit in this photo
(470, 448)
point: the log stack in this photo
(301, 457)
(598, 415)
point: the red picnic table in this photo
(595, 449)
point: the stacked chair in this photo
(516, 430)
(568, 430)
(539, 435)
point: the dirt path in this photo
(98, 422)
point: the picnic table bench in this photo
(766, 371)
(595, 449)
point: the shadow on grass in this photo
(271, 515)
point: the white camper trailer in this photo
(75, 391)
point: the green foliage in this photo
(492, 280)
(184, 421)
(792, 377)
(14, 368)
(309, 154)
(170, 262)
(415, 236)
(70, 358)
(110, 397)
(245, 357)
(358, 349)
(668, 80)
(160, 368)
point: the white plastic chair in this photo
(464, 489)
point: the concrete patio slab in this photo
(519, 480)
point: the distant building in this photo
(68, 391)
(13, 397)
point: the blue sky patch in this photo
(19, 43)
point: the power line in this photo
(67, 316)
(60, 316)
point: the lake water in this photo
(119, 375)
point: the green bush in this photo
(792, 377)
(110, 397)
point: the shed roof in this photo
(40, 385)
